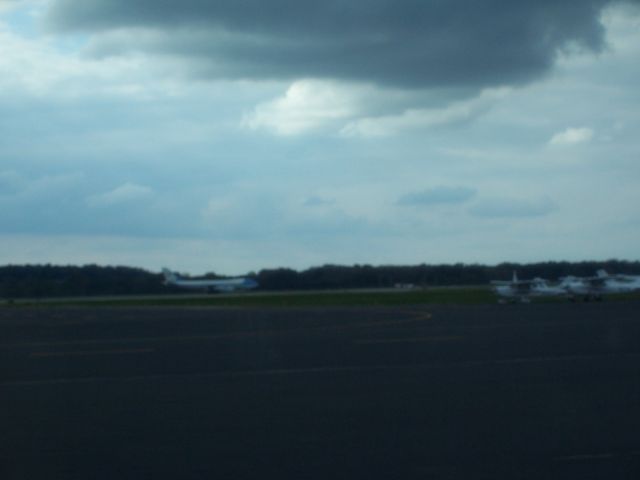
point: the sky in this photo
(230, 136)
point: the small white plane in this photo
(523, 290)
(222, 285)
(603, 283)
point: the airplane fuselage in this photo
(571, 287)
(222, 285)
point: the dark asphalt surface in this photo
(446, 392)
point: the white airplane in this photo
(523, 290)
(223, 285)
(601, 284)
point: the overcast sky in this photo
(236, 135)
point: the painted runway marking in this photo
(313, 370)
(593, 456)
(422, 315)
(436, 339)
(585, 457)
(84, 353)
(221, 336)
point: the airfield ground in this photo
(450, 295)
(546, 390)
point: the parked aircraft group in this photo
(572, 287)
(208, 285)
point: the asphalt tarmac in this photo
(538, 391)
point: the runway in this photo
(446, 392)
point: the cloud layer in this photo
(393, 133)
(441, 195)
(406, 43)
(572, 136)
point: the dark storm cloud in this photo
(513, 208)
(438, 196)
(406, 43)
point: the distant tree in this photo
(58, 281)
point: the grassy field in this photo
(436, 295)
(466, 295)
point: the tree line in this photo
(35, 281)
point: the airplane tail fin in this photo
(169, 276)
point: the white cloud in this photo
(307, 105)
(50, 186)
(441, 195)
(9, 5)
(6, 5)
(512, 208)
(129, 192)
(358, 110)
(414, 119)
(28, 65)
(318, 201)
(321, 197)
(52, 67)
(572, 136)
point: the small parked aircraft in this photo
(603, 283)
(572, 287)
(222, 285)
(523, 290)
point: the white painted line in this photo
(84, 353)
(219, 336)
(315, 370)
(434, 339)
(585, 457)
